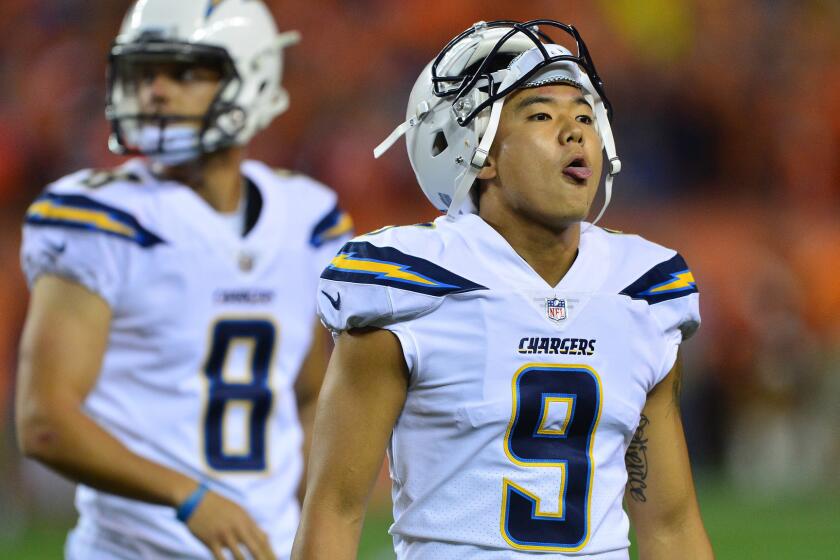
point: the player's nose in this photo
(571, 131)
(159, 88)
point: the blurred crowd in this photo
(727, 120)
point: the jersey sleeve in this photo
(671, 292)
(78, 238)
(378, 285)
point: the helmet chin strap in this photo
(479, 158)
(422, 110)
(612, 156)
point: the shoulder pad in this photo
(100, 180)
(666, 280)
(317, 212)
(377, 285)
(648, 272)
(83, 212)
(335, 224)
(302, 184)
(365, 263)
(671, 292)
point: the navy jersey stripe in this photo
(667, 280)
(365, 263)
(81, 212)
(335, 224)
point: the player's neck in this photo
(549, 251)
(216, 177)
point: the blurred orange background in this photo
(727, 121)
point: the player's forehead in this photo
(559, 95)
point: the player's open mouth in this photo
(578, 170)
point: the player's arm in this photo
(307, 389)
(660, 493)
(61, 351)
(363, 394)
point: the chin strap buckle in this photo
(479, 158)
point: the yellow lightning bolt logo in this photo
(342, 226)
(98, 219)
(681, 281)
(382, 269)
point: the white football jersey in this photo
(522, 397)
(208, 332)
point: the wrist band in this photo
(187, 507)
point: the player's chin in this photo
(559, 219)
(573, 206)
(575, 193)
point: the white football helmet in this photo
(236, 37)
(455, 106)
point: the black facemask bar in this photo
(460, 85)
(179, 53)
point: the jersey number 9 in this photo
(554, 417)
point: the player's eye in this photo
(146, 75)
(540, 117)
(184, 74)
(585, 119)
(199, 74)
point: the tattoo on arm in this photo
(636, 462)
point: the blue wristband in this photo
(187, 507)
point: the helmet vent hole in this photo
(440, 144)
(263, 85)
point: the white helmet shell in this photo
(242, 32)
(439, 148)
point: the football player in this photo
(171, 347)
(518, 363)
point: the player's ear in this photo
(489, 170)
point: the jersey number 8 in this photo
(250, 392)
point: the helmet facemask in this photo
(171, 138)
(446, 83)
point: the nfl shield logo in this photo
(555, 309)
